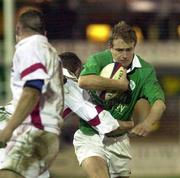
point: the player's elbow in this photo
(82, 82)
(163, 105)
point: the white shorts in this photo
(31, 152)
(44, 175)
(2, 153)
(115, 150)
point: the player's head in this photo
(122, 43)
(71, 62)
(30, 22)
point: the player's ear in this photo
(18, 29)
(18, 32)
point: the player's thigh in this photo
(141, 110)
(95, 167)
(52, 143)
(119, 156)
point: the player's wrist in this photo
(124, 84)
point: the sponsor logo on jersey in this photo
(132, 85)
(121, 108)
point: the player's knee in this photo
(95, 167)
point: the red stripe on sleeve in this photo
(96, 121)
(33, 68)
(66, 112)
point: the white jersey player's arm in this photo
(26, 104)
(102, 121)
(98, 118)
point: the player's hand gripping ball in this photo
(113, 71)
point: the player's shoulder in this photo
(35, 44)
(146, 68)
(144, 63)
(26, 44)
(105, 54)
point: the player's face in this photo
(123, 52)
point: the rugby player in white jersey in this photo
(32, 132)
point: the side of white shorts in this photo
(115, 150)
(44, 175)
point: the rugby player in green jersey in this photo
(110, 157)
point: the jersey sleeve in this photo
(31, 65)
(99, 119)
(92, 66)
(152, 89)
(95, 63)
(37, 84)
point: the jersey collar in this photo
(69, 74)
(135, 64)
(40, 37)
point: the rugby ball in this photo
(112, 71)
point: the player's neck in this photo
(129, 66)
(25, 35)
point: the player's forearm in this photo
(95, 82)
(124, 126)
(156, 112)
(26, 104)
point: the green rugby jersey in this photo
(143, 84)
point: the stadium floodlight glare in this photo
(98, 32)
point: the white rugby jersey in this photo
(76, 101)
(34, 59)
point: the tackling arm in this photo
(98, 118)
